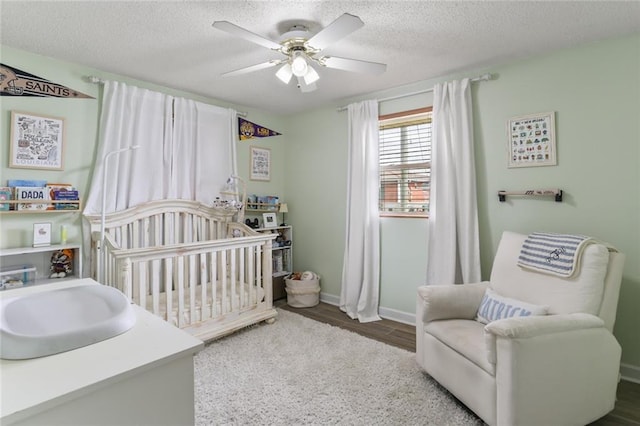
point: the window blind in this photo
(405, 164)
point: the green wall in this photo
(594, 91)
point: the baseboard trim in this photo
(630, 373)
(398, 316)
(387, 313)
(330, 299)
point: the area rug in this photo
(298, 371)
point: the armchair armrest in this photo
(451, 301)
(525, 327)
(547, 364)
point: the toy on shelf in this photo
(61, 263)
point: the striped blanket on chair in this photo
(555, 254)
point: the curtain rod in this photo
(97, 80)
(483, 77)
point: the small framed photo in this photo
(532, 140)
(260, 163)
(42, 234)
(269, 220)
(37, 142)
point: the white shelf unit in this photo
(282, 254)
(40, 259)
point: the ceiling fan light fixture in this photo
(299, 64)
(311, 76)
(285, 73)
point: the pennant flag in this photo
(15, 82)
(249, 130)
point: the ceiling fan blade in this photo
(304, 87)
(253, 68)
(246, 34)
(353, 65)
(341, 27)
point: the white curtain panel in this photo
(359, 296)
(131, 116)
(203, 157)
(453, 254)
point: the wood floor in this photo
(626, 412)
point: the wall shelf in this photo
(557, 193)
(262, 208)
(52, 203)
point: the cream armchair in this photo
(561, 368)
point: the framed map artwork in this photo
(37, 142)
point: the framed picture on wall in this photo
(260, 163)
(37, 141)
(532, 140)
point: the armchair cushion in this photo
(451, 301)
(466, 337)
(494, 307)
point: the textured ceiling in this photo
(173, 44)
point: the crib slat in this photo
(213, 278)
(204, 306)
(180, 288)
(193, 283)
(241, 281)
(168, 288)
(223, 281)
(124, 236)
(251, 279)
(234, 289)
(155, 285)
(168, 228)
(140, 282)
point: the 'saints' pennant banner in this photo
(249, 130)
(15, 82)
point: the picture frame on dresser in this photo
(269, 220)
(42, 234)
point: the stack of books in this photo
(32, 191)
(63, 191)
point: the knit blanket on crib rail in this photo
(555, 254)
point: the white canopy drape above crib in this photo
(187, 149)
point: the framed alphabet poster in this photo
(532, 140)
(260, 163)
(37, 141)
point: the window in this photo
(405, 163)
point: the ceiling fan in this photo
(302, 48)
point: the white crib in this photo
(188, 263)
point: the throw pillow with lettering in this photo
(494, 307)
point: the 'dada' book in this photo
(32, 193)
